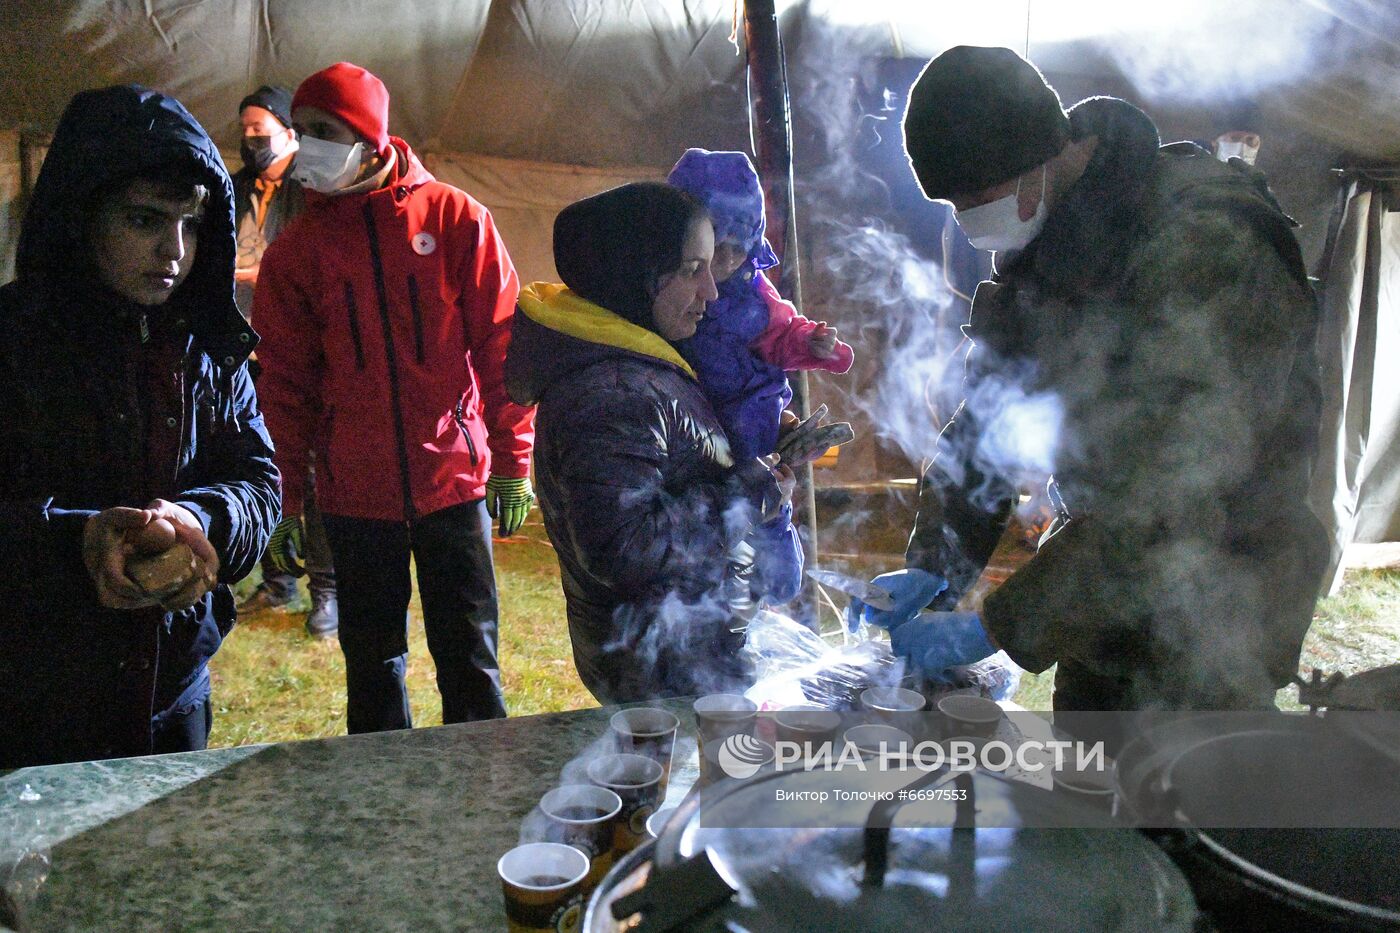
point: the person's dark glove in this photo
(911, 589)
(509, 499)
(932, 642)
(287, 545)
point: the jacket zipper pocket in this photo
(417, 317)
(354, 326)
(462, 426)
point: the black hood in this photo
(611, 248)
(104, 137)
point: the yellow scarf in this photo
(556, 307)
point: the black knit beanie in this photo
(276, 100)
(612, 247)
(977, 117)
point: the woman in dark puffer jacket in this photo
(644, 503)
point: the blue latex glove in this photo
(912, 589)
(936, 641)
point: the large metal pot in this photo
(919, 866)
(1281, 821)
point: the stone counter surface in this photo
(391, 831)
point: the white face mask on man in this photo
(326, 166)
(998, 226)
(1237, 146)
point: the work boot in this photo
(323, 621)
(271, 593)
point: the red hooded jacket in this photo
(385, 318)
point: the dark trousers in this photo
(451, 549)
(320, 568)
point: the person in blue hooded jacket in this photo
(749, 337)
(136, 478)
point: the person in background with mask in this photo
(266, 199)
(129, 433)
(386, 312)
(1159, 298)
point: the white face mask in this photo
(998, 225)
(1227, 149)
(326, 166)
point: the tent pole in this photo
(770, 132)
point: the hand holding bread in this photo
(153, 556)
(807, 440)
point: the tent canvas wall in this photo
(530, 104)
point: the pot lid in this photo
(998, 869)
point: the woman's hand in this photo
(805, 441)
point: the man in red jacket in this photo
(385, 311)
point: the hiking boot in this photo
(269, 594)
(323, 621)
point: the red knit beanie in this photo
(354, 96)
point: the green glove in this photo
(509, 500)
(286, 545)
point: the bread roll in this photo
(165, 573)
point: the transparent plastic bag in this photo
(995, 676)
(796, 667)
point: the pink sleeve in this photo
(784, 343)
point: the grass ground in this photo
(272, 683)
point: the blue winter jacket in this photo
(81, 430)
(747, 392)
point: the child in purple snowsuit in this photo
(750, 336)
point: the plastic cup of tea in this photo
(647, 731)
(738, 756)
(967, 715)
(1093, 786)
(807, 728)
(891, 700)
(636, 780)
(879, 741)
(720, 715)
(543, 887)
(584, 816)
(658, 820)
